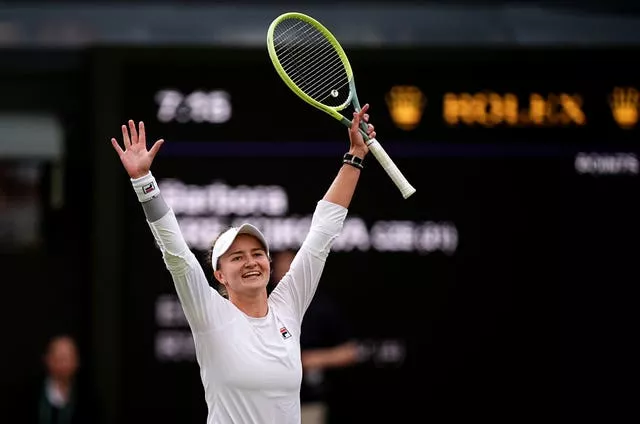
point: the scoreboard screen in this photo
(545, 97)
(508, 270)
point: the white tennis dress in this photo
(250, 367)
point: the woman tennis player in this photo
(247, 346)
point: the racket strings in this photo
(311, 62)
(307, 34)
(323, 53)
(318, 84)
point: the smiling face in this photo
(244, 268)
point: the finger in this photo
(364, 109)
(365, 117)
(134, 132)
(116, 146)
(370, 128)
(125, 137)
(372, 134)
(155, 148)
(142, 137)
(355, 122)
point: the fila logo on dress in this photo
(285, 333)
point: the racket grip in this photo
(391, 169)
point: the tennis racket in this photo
(312, 63)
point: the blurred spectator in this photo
(60, 395)
(325, 343)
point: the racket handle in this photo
(392, 170)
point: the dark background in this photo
(531, 317)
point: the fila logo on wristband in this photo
(146, 189)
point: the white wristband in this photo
(145, 187)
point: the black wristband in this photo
(353, 160)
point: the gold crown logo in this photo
(624, 106)
(406, 104)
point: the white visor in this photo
(226, 239)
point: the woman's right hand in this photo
(135, 157)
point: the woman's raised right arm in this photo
(196, 296)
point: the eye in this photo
(235, 258)
(259, 254)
